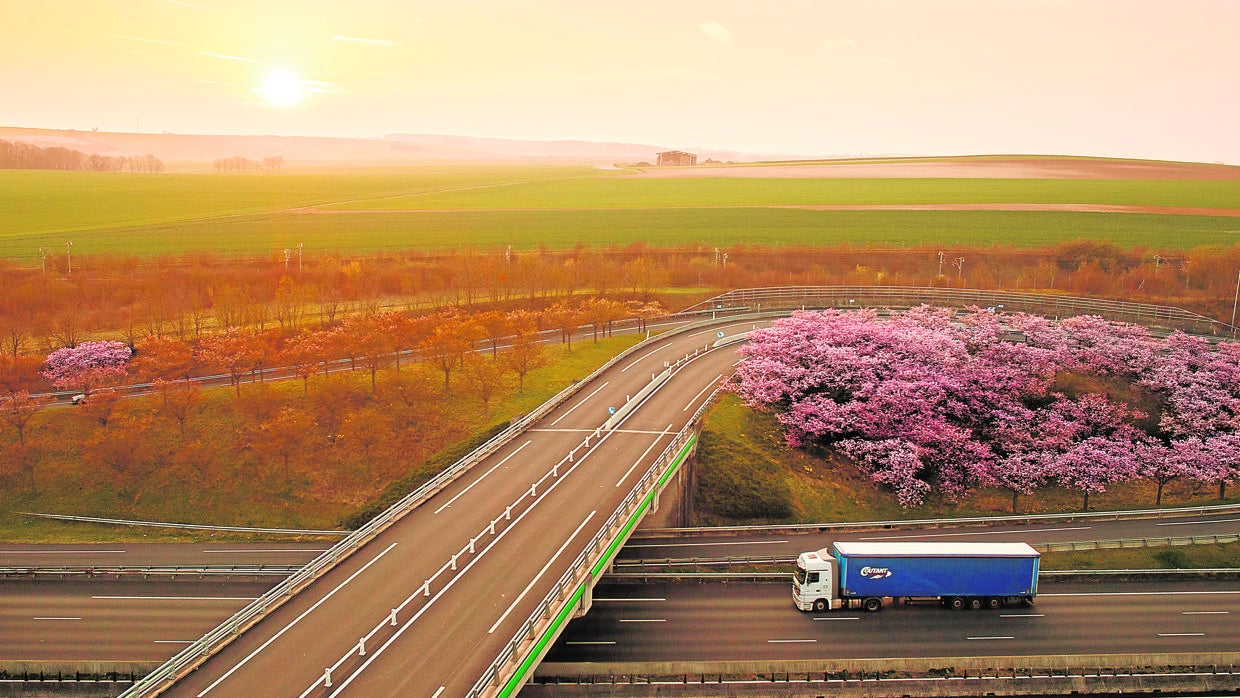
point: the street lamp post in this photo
(43, 257)
(69, 255)
(299, 258)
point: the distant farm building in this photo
(676, 158)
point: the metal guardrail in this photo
(946, 523)
(1158, 316)
(225, 632)
(84, 571)
(1138, 543)
(187, 527)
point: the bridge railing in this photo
(1154, 316)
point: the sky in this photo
(1123, 78)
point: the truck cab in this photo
(814, 584)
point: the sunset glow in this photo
(282, 88)
(813, 77)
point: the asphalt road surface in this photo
(740, 622)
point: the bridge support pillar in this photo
(587, 601)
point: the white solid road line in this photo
(1142, 593)
(637, 462)
(175, 598)
(61, 552)
(579, 404)
(845, 618)
(978, 533)
(591, 642)
(175, 642)
(696, 545)
(484, 475)
(652, 352)
(541, 572)
(642, 620)
(1196, 523)
(650, 600)
(295, 621)
(992, 637)
(1204, 613)
(56, 618)
(1181, 634)
(1022, 615)
(440, 691)
(788, 641)
(700, 392)
(271, 550)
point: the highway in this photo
(89, 621)
(669, 623)
(449, 631)
(158, 554)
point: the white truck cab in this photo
(814, 586)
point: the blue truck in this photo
(867, 575)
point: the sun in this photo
(283, 88)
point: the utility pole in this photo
(287, 255)
(1233, 306)
(69, 255)
(940, 264)
(299, 257)
(43, 255)
(959, 264)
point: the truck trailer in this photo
(958, 575)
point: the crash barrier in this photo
(784, 297)
(855, 526)
(1201, 673)
(116, 571)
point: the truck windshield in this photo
(802, 575)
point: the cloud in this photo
(221, 56)
(361, 40)
(718, 32)
(837, 42)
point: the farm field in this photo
(430, 209)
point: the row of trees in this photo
(377, 395)
(191, 296)
(240, 164)
(26, 156)
(930, 401)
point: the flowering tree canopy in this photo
(932, 400)
(87, 365)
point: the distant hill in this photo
(387, 150)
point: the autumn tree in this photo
(17, 409)
(527, 352)
(233, 352)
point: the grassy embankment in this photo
(443, 208)
(747, 475)
(211, 476)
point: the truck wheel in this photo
(975, 603)
(820, 605)
(992, 603)
(955, 603)
(872, 604)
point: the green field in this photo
(370, 232)
(611, 191)
(527, 207)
